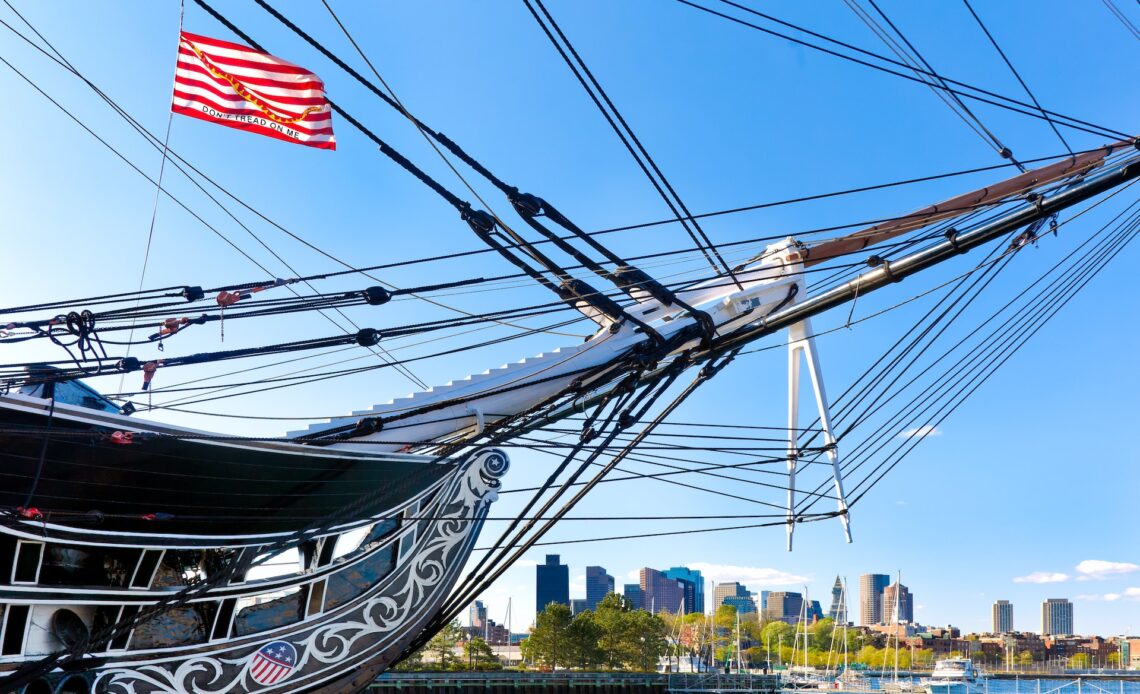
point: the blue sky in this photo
(1035, 477)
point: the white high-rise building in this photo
(1003, 617)
(1056, 617)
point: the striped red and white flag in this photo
(235, 85)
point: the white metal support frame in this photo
(801, 342)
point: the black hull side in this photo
(165, 484)
(339, 645)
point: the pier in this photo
(571, 683)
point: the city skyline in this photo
(748, 599)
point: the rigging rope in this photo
(1029, 110)
(626, 135)
(1016, 74)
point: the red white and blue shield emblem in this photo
(273, 663)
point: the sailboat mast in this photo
(898, 591)
(843, 611)
(804, 619)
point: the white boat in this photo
(805, 677)
(955, 676)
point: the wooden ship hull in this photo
(347, 603)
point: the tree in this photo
(871, 657)
(651, 643)
(583, 636)
(443, 644)
(480, 656)
(1025, 658)
(819, 634)
(774, 635)
(548, 644)
(1079, 661)
(414, 661)
(611, 619)
(692, 629)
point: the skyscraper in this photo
(632, 593)
(694, 585)
(763, 604)
(871, 598)
(838, 609)
(1056, 617)
(729, 590)
(598, 584)
(478, 615)
(743, 605)
(815, 611)
(784, 606)
(659, 593)
(577, 605)
(551, 583)
(904, 600)
(1003, 617)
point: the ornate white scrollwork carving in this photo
(360, 633)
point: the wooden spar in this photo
(1070, 166)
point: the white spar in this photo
(467, 405)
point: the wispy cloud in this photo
(1097, 569)
(1042, 577)
(1107, 597)
(1132, 592)
(921, 432)
(754, 577)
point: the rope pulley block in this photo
(30, 513)
(366, 426)
(525, 204)
(148, 370)
(376, 296)
(368, 337)
(480, 222)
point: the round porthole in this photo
(68, 627)
(76, 684)
(40, 686)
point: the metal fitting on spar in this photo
(876, 261)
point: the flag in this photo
(273, 662)
(235, 85)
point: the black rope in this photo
(854, 454)
(1071, 122)
(1016, 74)
(1020, 322)
(1124, 20)
(626, 134)
(1123, 241)
(1004, 151)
